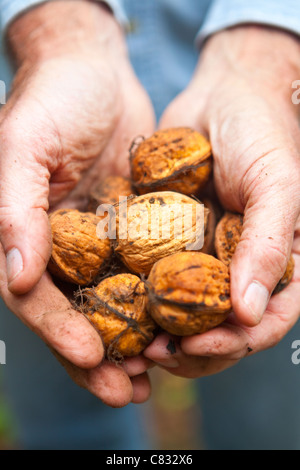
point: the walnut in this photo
(176, 159)
(77, 253)
(109, 191)
(157, 225)
(189, 293)
(227, 237)
(117, 307)
(209, 235)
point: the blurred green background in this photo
(175, 414)
(7, 425)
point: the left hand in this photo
(240, 97)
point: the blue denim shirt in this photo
(165, 36)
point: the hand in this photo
(240, 96)
(74, 109)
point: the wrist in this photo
(264, 59)
(66, 28)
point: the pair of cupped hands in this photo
(75, 107)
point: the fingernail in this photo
(257, 298)
(14, 264)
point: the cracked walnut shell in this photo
(189, 293)
(176, 159)
(77, 253)
(117, 308)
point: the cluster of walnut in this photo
(132, 286)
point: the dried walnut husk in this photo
(117, 308)
(176, 159)
(109, 191)
(156, 227)
(227, 236)
(77, 253)
(189, 293)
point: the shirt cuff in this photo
(227, 13)
(10, 9)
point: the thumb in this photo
(184, 111)
(24, 227)
(270, 190)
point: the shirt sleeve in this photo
(226, 13)
(10, 9)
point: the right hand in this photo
(74, 109)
